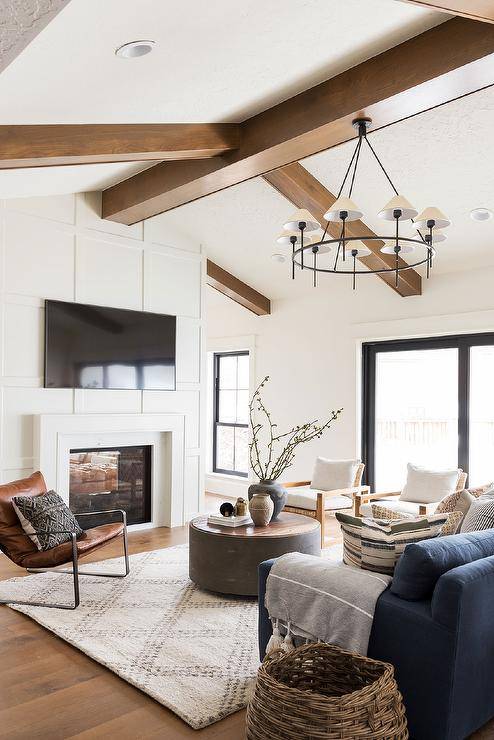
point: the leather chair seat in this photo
(90, 540)
(19, 547)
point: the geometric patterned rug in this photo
(193, 651)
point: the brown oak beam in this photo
(305, 191)
(451, 60)
(63, 144)
(476, 10)
(235, 289)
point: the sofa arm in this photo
(463, 598)
(265, 628)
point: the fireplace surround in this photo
(57, 434)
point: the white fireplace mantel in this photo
(57, 434)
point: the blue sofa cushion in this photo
(423, 563)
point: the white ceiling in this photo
(221, 61)
(24, 183)
(218, 61)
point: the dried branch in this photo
(274, 462)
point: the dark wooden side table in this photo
(225, 560)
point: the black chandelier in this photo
(350, 248)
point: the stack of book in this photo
(229, 521)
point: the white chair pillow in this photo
(428, 486)
(330, 475)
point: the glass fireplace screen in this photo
(111, 478)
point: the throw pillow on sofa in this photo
(351, 530)
(450, 503)
(383, 543)
(428, 486)
(480, 515)
(380, 511)
(453, 524)
(46, 519)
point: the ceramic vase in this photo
(261, 509)
(276, 492)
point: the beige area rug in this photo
(193, 651)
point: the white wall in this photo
(310, 345)
(57, 247)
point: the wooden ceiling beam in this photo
(235, 289)
(303, 190)
(446, 62)
(65, 144)
(476, 10)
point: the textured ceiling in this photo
(21, 21)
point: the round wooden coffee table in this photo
(225, 560)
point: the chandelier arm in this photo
(337, 255)
(381, 165)
(359, 146)
(349, 168)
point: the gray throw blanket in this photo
(325, 601)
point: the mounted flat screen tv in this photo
(97, 347)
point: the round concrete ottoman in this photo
(225, 560)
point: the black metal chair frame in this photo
(75, 572)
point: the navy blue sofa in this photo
(435, 624)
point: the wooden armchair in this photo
(19, 548)
(367, 498)
(313, 503)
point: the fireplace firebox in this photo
(111, 478)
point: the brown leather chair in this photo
(17, 546)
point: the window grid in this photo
(218, 424)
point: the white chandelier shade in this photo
(343, 209)
(432, 214)
(398, 203)
(302, 215)
(285, 239)
(323, 248)
(404, 249)
(439, 237)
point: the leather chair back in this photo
(13, 541)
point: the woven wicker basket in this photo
(321, 691)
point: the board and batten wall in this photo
(310, 346)
(57, 247)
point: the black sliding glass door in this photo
(429, 402)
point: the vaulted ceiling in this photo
(230, 64)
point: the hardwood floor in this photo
(51, 691)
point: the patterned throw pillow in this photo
(479, 516)
(351, 529)
(453, 524)
(382, 512)
(448, 503)
(46, 513)
(383, 543)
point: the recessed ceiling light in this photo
(481, 214)
(135, 49)
(276, 257)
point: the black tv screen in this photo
(97, 347)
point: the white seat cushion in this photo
(330, 475)
(305, 497)
(395, 504)
(428, 486)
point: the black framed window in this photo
(429, 402)
(231, 413)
